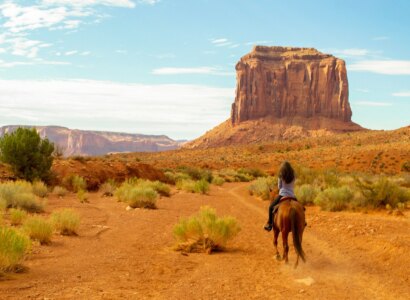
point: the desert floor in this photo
(121, 254)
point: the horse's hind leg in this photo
(275, 242)
(285, 245)
(297, 261)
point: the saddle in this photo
(283, 199)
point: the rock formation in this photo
(280, 82)
(85, 142)
(285, 93)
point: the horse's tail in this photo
(294, 221)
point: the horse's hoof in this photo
(278, 257)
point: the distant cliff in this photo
(284, 93)
(84, 142)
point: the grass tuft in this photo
(38, 229)
(14, 245)
(66, 221)
(205, 231)
(17, 216)
(263, 186)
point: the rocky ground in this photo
(121, 254)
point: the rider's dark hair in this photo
(286, 172)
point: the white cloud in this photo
(194, 71)
(121, 51)
(11, 64)
(371, 103)
(181, 111)
(387, 67)
(69, 53)
(219, 41)
(18, 20)
(83, 3)
(401, 94)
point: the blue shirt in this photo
(286, 189)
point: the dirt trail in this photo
(123, 254)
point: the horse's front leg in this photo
(275, 242)
(285, 245)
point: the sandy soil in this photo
(123, 254)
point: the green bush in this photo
(137, 196)
(17, 216)
(217, 180)
(40, 189)
(263, 186)
(334, 198)
(19, 194)
(174, 177)
(306, 193)
(60, 191)
(160, 187)
(38, 229)
(205, 232)
(29, 156)
(196, 173)
(14, 245)
(305, 175)
(66, 221)
(192, 186)
(382, 192)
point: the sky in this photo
(168, 66)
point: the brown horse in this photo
(289, 217)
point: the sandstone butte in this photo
(285, 93)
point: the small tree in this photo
(29, 156)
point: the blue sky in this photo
(167, 66)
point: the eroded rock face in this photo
(286, 82)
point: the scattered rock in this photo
(128, 208)
(308, 281)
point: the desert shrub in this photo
(217, 180)
(192, 186)
(382, 192)
(334, 198)
(263, 186)
(79, 158)
(78, 183)
(137, 196)
(255, 173)
(19, 194)
(305, 175)
(330, 178)
(306, 193)
(82, 196)
(108, 188)
(40, 189)
(205, 232)
(17, 216)
(38, 229)
(29, 156)
(14, 245)
(66, 221)
(60, 191)
(174, 177)
(196, 173)
(228, 175)
(160, 187)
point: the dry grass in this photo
(19, 194)
(137, 196)
(60, 191)
(66, 221)
(14, 245)
(192, 186)
(205, 231)
(17, 216)
(39, 229)
(263, 186)
(40, 189)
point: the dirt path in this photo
(123, 254)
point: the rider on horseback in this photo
(286, 184)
